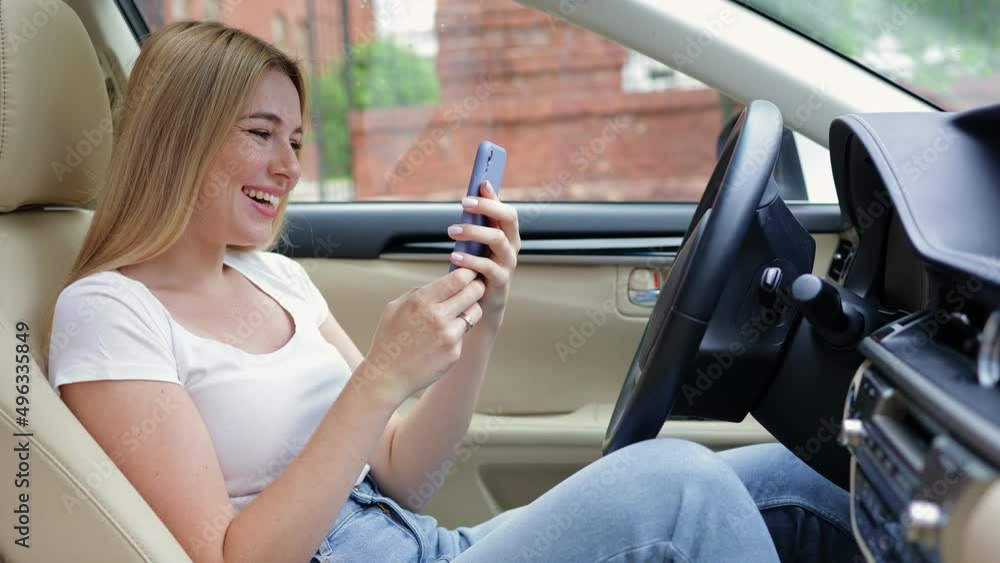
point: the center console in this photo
(922, 431)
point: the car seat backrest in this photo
(70, 502)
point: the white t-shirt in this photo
(260, 409)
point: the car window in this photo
(399, 107)
(945, 52)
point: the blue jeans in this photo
(658, 500)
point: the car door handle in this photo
(644, 286)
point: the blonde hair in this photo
(186, 91)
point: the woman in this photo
(215, 376)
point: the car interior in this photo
(863, 335)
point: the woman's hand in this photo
(504, 241)
(420, 334)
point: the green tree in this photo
(383, 74)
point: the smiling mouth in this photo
(262, 198)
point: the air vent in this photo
(841, 261)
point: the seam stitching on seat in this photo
(131, 539)
(3, 82)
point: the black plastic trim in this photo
(134, 18)
(366, 230)
(962, 422)
(658, 246)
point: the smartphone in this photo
(489, 165)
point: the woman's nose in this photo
(286, 163)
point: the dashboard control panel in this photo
(919, 460)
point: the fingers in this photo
(464, 299)
(493, 237)
(503, 216)
(447, 285)
(443, 317)
(497, 275)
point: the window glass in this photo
(278, 30)
(403, 98)
(212, 9)
(946, 52)
(179, 9)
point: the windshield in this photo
(946, 51)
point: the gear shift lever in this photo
(838, 322)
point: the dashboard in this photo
(904, 283)
(920, 261)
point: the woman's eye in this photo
(264, 134)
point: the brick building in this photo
(283, 22)
(552, 94)
(286, 23)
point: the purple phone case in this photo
(489, 165)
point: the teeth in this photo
(272, 199)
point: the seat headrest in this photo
(55, 118)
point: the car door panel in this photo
(569, 333)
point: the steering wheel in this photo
(698, 277)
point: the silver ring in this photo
(468, 322)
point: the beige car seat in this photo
(54, 149)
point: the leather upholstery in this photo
(55, 144)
